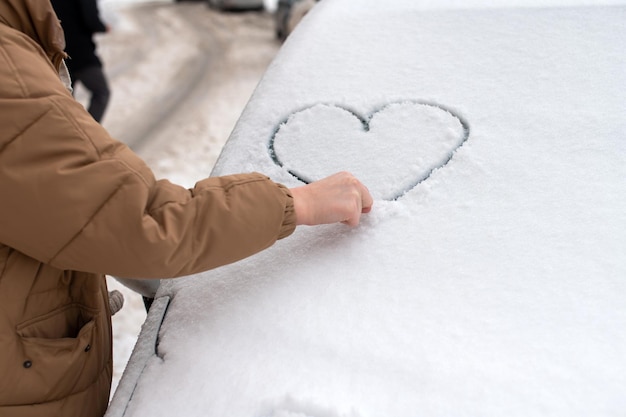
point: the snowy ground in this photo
(180, 76)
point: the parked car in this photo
(235, 4)
(288, 15)
(489, 277)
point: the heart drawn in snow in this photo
(391, 151)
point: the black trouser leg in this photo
(94, 80)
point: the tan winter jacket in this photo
(75, 205)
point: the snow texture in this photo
(407, 142)
(143, 351)
(495, 286)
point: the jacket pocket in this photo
(59, 356)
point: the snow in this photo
(424, 138)
(144, 348)
(491, 283)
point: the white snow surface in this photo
(494, 286)
(412, 138)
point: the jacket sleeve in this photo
(74, 198)
(80, 200)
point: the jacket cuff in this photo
(289, 219)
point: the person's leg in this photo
(94, 80)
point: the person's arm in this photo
(83, 201)
(77, 199)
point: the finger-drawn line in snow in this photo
(391, 150)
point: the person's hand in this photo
(338, 198)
